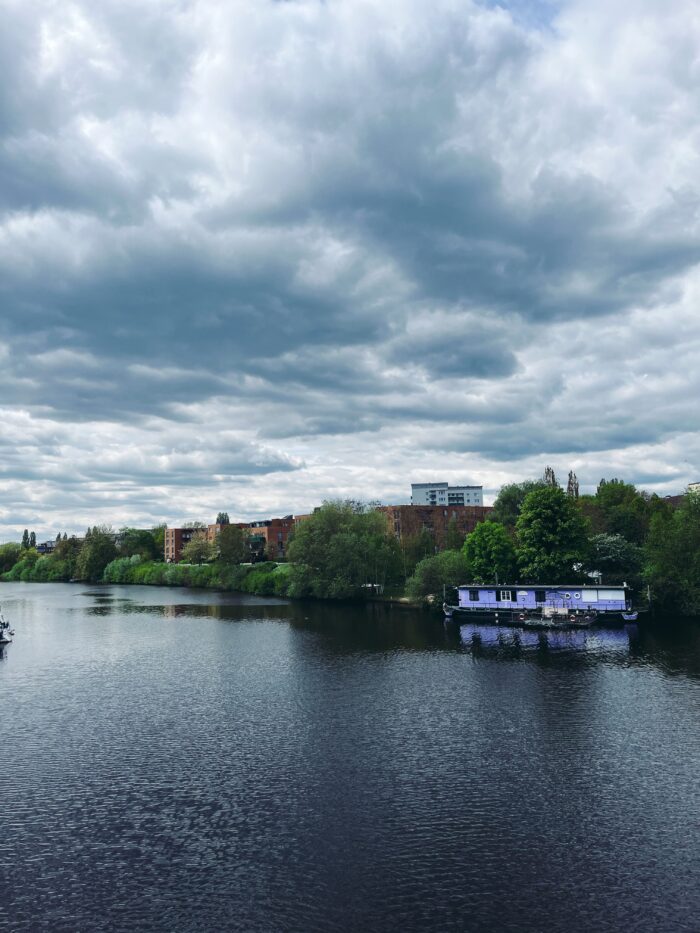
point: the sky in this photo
(255, 254)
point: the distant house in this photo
(693, 487)
(46, 547)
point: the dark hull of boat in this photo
(536, 621)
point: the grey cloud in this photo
(324, 221)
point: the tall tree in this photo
(32, 539)
(552, 537)
(339, 549)
(549, 477)
(222, 518)
(139, 541)
(97, 551)
(233, 545)
(509, 501)
(673, 557)
(454, 539)
(625, 510)
(572, 485)
(25, 539)
(491, 555)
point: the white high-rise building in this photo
(443, 494)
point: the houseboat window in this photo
(540, 596)
(506, 595)
(474, 596)
(498, 596)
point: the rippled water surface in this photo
(175, 761)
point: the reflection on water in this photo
(594, 642)
(340, 768)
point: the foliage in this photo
(454, 539)
(339, 549)
(259, 579)
(625, 511)
(616, 559)
(233, 545)
(673, 557)
(222, 518)
(551, 536)
(139, 541)
(449, 568)
(509, 501)
(66, 552)
(25, 539)
(24, 567)
(198, 549)
(97, 551)
(414, 548)
(490, 553)
(9, 555)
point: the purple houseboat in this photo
(574, 603)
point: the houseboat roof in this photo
(543, 586)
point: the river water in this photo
(182, 761)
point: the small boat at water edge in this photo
(5, 632)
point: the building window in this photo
(474, 596)
(506, 596)
(540, 596)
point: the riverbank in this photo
(262, 579)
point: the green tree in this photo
(339, 549)
(625, 510)
(97, 551)
(222, 518)
(67, 551)
(139, 541)
(9, 555)
(672, 552)
(158, 533)
(616, 558)
(509, 501)
(198, 549)
(551, 537)
(490, 552)
(25, 539)
(454, 539)
(447, 569)
(233, 545)
(32, 539)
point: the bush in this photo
(450, 568)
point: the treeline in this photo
(78, 558)
(537, 533)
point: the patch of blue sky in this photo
(534, 14)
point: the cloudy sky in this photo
(255, 254)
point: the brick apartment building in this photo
(175, 540)
(272, 535)
(267, 538)
(407, 521)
